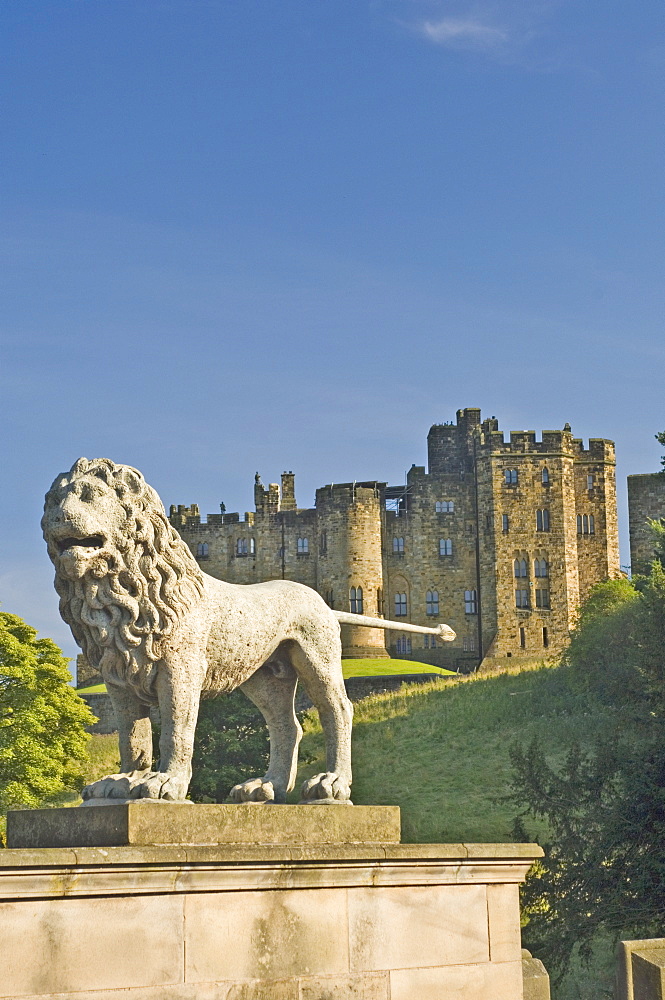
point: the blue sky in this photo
(248, 234)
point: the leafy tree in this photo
(42, 720)
(604, 869)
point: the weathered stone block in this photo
(265, 935)
(649, 974)
(153, 822)
(536, 981)
(413, 926)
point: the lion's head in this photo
(123, 574)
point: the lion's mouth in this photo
(90, 542)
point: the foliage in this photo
(604, 871)
(43, 742)
(660, 438)
(231, 745)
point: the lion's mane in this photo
(124, 609)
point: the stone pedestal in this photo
(290, 920)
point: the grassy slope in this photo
(441, 750)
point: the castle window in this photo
(403, 645)
(541, 568)
(379, 601)
(430, 642)
(356, 600)
(592, 525)
(470, 602)
(505, 523)
(546, 638)
(252, 546)
(521, 598)
(241, 547)
(543, 519)
(398, 546)
(545, 477)
(445, 546)
(400, 605)
(520, 567)
(586, 524)
(323, 543)
(202, 550)
(590, 480)
(432, 602)
(329, 598)
(542, 598)
(523, 638)
(303, 546)
(510, 477)
(469, 644)
(444, 507)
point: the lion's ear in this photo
(132, 479)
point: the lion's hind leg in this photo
(318, 663)
(272, 689)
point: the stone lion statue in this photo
(163, 633)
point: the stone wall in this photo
(646, 501)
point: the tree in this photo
(604, 869)
(43, 742)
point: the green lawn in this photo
(351, 668)
(384, 667)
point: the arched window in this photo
(241, 547)
(545, 476)
(398, 546)
(303, 546)
(542, 519)
(541, 568)
(470, 602)
(400, 605)
(356, 600)
(521, 598)
(403, 645)
(445, 546)
(579, 524)
(520, 567)
(323, 543)
(202, 550)
(510, 477)
(444, 507)
(432, 602)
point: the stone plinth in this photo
(289, 921)
(144, 822)
(641, 970)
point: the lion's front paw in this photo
(138, 785)
(328, 787)
(254, 790)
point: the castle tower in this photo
(350, 563)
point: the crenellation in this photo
(443, 546)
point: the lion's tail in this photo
(443, 632)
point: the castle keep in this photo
(500, 539)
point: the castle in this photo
(500, 539)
